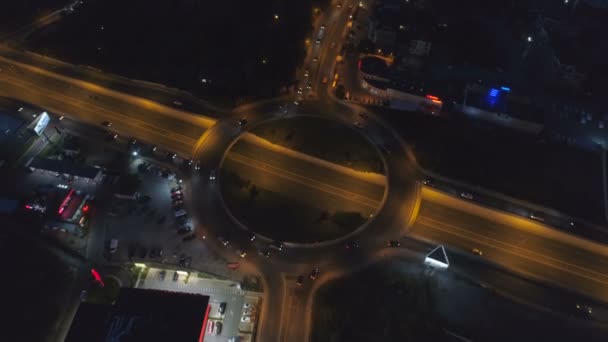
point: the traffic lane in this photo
(521, 260)
(513, 221)
(323, 196)
(81, 110)
(294, 315)
(158, 93)
(296, 166)
(495, 232)
(140, 110)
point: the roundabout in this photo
(295, 193)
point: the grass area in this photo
(283, 218)
(375, 305)
(325, 139)
(519, 165)
(106, 294)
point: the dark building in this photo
(142, 315)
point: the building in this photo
(142, 315)
(67, 169)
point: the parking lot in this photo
(240, 311)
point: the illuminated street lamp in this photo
(276, 17)
(529, 39)
(134, 153)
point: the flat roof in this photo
(142, 315)
(8, 125)
(65, 167)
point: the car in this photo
(251, 236)
(197, 166)
(322, 27)
(309, 85)
(426, 182)
(363, 115)
(188, 162)
(154, 148)
(171, 155)
(107, 123)
(339, 5)
(393, 243)
(113, 246)
(352, 245)
(224, 241)
(241, 253)
(246, 319)
(132, 142)
(466, 195)
(175, 276)
(242, 122)
(210, 327)
(314, 274)
(300, 280)
(178, 103)
(477, 251)
(306, 73)
(61, 118)
(300, 90)
(358, 124)
(222, 308)
(584, 309)
(175, 189)
(218, 328)
(318, 41)
(212, 176)
(111, 136)
(537, 218)
(278, 245)
(315, 59)
(264, 252)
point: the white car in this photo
(466, 195)
(212, 175)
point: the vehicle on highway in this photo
(61, 118)
(222, 308)
(154, 148)
(318, 41)
(300, 280)
(393, 243)
(315, 59)
(278, 245)
(107, 123)
(178, 103)
(352, 245)
(477, 251)
(212, 176)
(537, 218)
(466, 195)
(197, 167)
(300, 90)
(224, 241)
(171, 155)
(175, 276)
(296, 103)
(242, 122)
(358, 124)
(339, 5)
(306, 73)
(426, 182)
(251, 236)
(264, 252)
(241, 253)
(314, 274)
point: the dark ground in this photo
(14, 14)
(563, 177)
(180, 42)
(400, 301)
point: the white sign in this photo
(41, 122)
(437, 258)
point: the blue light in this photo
(493, 92)
(505, 88)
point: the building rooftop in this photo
(142, 315)
(64, 167)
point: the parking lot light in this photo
(140, 265)
(180, 181)
(134, 153)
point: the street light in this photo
(276, 17)
(529, 39)
(134, 153)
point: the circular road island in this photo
(303, 180)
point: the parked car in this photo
(107, 123)
(222, 308)
(477, 251)
(466, 195)
(223, 240)
(218, 328)
(300, 280)
(314, 274)
(242, 122)
(210, 326)
(175, 276)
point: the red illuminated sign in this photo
(97, 277)
(204, 326)
(85, 208)
(65, 201)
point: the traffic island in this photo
(291, 193)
